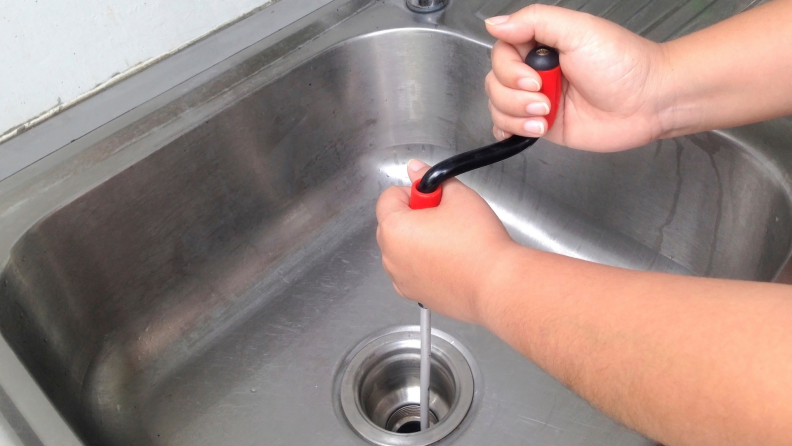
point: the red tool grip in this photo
(551, 87)
(420, 200)
(546, 62)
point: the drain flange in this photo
(379, 390)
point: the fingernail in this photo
(535, 127)
(497, 20)
(416, 165)
(528, 83)
(538, 109)
(502, 135)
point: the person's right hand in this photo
(615, 88)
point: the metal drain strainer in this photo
(379, 389)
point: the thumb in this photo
(549, 25)
(416, 169)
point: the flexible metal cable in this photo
(426, 351)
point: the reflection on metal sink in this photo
(197, 275)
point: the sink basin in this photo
(195, 272)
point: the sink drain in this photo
(407, 420)
(380, 390)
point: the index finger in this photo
(510, 69)
(549, 25)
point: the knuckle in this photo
(382, 233)
(382, 202)
(531, 11)
(498, 119)
(496, 55)
(508, 125)
(386, 232)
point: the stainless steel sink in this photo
(196, 271)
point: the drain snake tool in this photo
(427, 193)
(426, 348)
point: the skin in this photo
(623, 91)
(684, 360)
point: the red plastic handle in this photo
(420, 200)
(551, 87)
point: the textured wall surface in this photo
(52, 52)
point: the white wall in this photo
(53, 52)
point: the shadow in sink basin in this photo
(205, 294)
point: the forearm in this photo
(735, 72)
(688, 361)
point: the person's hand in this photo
(440, 256)
(614, 94)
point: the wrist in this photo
(677, 114)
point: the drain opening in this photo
(407, 420)
(380, 389)
(390, 383)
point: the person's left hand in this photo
(442, 256)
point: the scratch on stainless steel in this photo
(194, 272)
